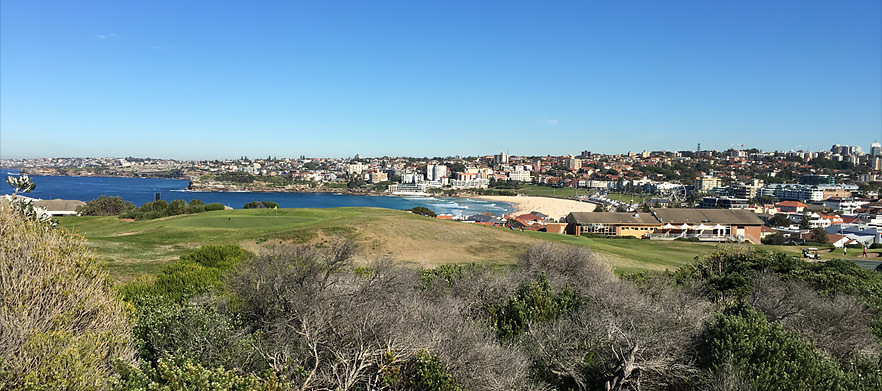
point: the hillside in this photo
(138, 247)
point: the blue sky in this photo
(219, 79)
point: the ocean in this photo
(141, 190)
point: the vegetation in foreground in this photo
(307, 318)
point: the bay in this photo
(141, 190)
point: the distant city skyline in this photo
(872, 149)
(193, 81)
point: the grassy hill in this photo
(142, 247)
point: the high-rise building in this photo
(574, 163)
(875, 149)
(502, 158)
(434, 172)
(706, 183)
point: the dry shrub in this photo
(61, 326)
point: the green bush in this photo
(535, 302)
(772, 358)
(222, 256)
(424, 372)
(186, 374)
(774, 239)
(214, 206)
(196, 273)
(196, 206)
(177, 207)
(106, 206)
(197, 331)
(261, 205)
(423, 211)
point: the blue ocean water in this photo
(141, 190)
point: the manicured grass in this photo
(134, 248)
(630, 198)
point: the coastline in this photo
(553, 207)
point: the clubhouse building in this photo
(707, 225)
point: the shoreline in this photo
(555, 208)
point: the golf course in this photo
(133, 248)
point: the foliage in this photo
(261, 204)
(355, 183)
(214, 206)
(235, 177)
(186, 374)
(22, 207)
(196, 206)
(772, 358)
(194, 330)
(423, 211)
(774, 239)
(424, 372)
(61, 326)
(818, 235)
(105, 206)
(223, 256)
(780, 220)
(535, 302)
(157, 209)
(196, 273)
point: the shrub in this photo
(214, 206)
(196, 273)
(184, 373)
(261, 205)
(535, 302)
(196, 206)
(423, 211)
(773, 358)
(774, 239)
(177, 207)
(61, 326)
(219, 256)
(106, 206)
(423, 372)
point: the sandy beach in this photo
(553, 207)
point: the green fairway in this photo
(142, 247)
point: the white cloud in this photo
(553, 122)
(105, 36)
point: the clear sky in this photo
(222, 79)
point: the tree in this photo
(196, 206)
(106, 206)
(776, 239)
(177, 207)
(61, 325)
(804, 221)
(780, 220)
(818, 235)
(599, 208)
